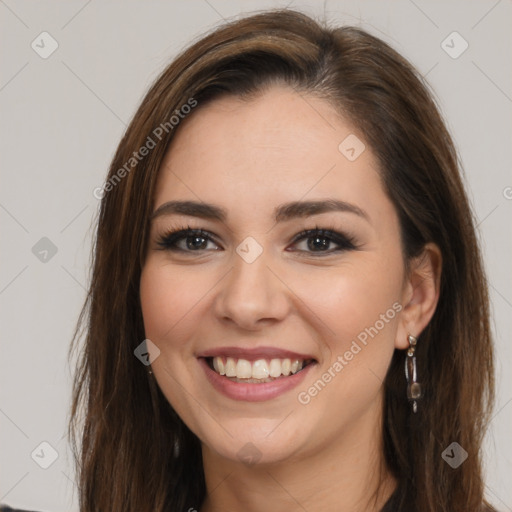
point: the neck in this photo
(348, 474)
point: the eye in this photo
(320, 241)
(314, 241)
(186, 240)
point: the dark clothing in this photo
(5, 508)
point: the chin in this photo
(255, 452)
(254, 441)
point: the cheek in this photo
(358, 307)
(167, 298)
(350, 299)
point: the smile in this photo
(255, 374)
(259, 371)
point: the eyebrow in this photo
(283, 212)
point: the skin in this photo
(249, 157)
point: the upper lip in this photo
(253, 354)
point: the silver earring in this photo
(150, 372)
(411, 375)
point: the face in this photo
(296, 263)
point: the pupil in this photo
(196, 242)
(318, 243)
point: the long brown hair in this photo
(133, 452)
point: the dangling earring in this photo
(150, 372)
(413, 386)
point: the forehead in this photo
(280, 146)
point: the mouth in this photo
(259, 371)
(256, 374)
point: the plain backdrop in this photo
(62, 117)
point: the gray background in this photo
(62, 118)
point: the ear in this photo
(420, 294)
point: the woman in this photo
(288, 309)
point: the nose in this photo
(251, 295)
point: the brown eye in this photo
(186, 240)
(321, 241)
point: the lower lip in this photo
(253, 392)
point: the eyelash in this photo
(168, 241)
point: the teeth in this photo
(243, 369)
(260, 369)
(230, 367)
(294, 367)
(218, 364)
(275, 368)
(286, 367)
